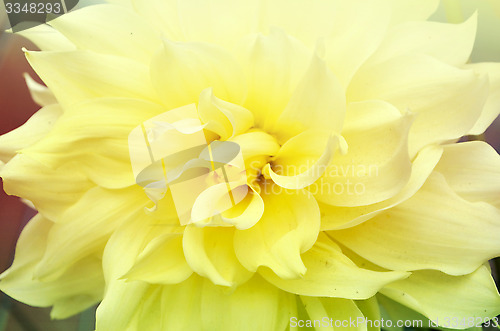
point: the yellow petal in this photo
(181, 71)
(93, 138)
(76, 289)
(30, 132)
(52, 191)
(472, 169)
(274, 65)
(40, 93)
(161, 262)
(339, 310)
(224, 118)
(47, 38)
(346, 49)
(79, 75)
(288, 227)
(302, 173)
(450, 43)
(256, 143)
(247, 213)
(334, 217)
(435, 229)
(218, 21)
(412, 10)
(127, 242)
(255, 305)
(447, 100)
(209, 252)
(111, 30)
(318, 102)
(82, 231)
(449, 299)
(376, 166)
(331, 274)
(491, 109)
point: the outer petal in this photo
(346, 49)
(447, 100)
(412, 10)
(333, 309)
(318, 102)
(450, 43)
(455, 236)
(331, 274)
(376, 166)
(333, 217)
(491, 108)
(83, 231)
(161, 262)
(47, 38)
(256, 305)
(52, 191)
(69, 77)
(40, 93)
(448, 299)
(121, 252)
(472, 169)
(181, 71)
(81, 286)
(210, 253)
(109, 29)
(93, 138)
(289, 227)
(30, 132)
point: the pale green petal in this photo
(435, 229)
(80, 75)
(332, 274)
(224, 118)
(371, 311)
(491, 108)
(274, 65)
(340, 310)
(446, 100)
(318, 102)
(111, 30)
(30, 132)
(181, 71)
(449, 299)
(40, 93)
(209, 252)
(472, 169)
(450, 43)
(81, 231)
(289, 227)
(334, 217)
(52, 191)
(255, 305)
(47, 38)
(76, 289)
(161, 262)
(376, 166)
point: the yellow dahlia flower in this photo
(257, 165)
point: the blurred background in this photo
(16, 107)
